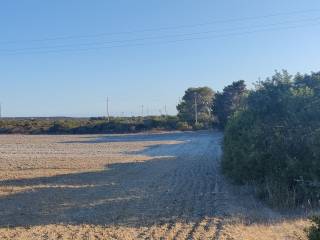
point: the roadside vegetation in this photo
(272, 141)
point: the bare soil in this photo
(137, 186)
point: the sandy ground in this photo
(139, 186)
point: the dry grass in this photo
(288, 230)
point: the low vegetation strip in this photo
(90, 125)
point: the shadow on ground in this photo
(126, 193)
(161, 190)
(141, 137)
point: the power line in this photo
(165, 28)
(166, 42)
(154, 37)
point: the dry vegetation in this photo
(142, 186)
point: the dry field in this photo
(140, 186)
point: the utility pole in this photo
(165, 110)
(195, 108)
(142, 110)
(108, 116)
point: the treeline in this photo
(203, 108)
(91, 125)
(272, 138)
(185, 120)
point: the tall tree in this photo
(228, 101)
(196, 106)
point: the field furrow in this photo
(139, 186)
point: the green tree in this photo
(196, 102)
(228, 101)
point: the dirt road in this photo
(142, 186)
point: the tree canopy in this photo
(228, 101)
(196, 102)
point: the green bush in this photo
(313, 232)
(198, 126)
(183, 126)
(274, 142)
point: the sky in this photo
(64, 58)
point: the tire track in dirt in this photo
(176, 194)
(154, 186)
(197, 192)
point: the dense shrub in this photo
(314, 231)
(274, 141)
(199, 126)
(183, 126)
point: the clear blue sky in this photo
(64, 57)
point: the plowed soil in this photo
(138, 186)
